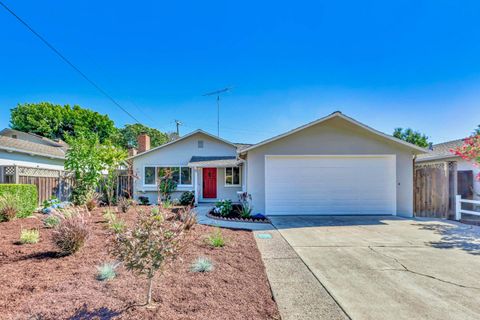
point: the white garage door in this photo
(330, 185)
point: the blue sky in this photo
(404, 64)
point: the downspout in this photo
(414, 188)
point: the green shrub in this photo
(167, 204)
(70, 235)
(223, 207)
(51, 221)
(216, 239)
(144, 200)
(202, 264)
(107, 271)
(155, 211)
(246, 209)
(117, 225)
(187, 198)
(29, 236)
(26, 194)
(9, 207)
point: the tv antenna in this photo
(178, 123)
(218, 93)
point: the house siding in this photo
(332, 137)
(21, 159)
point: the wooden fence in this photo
(435, 189)
(55, 183)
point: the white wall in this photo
(180, 153)
(22, 159)
(333, 137)
(463, 165)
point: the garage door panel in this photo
(330, 185)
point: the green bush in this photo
(51, 221)
(187, 198)
(216, 239)
(223, 207)
(29, 236)
(26, 194)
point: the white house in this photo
(28, 150)
(334, 165)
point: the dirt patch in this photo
(34, 281)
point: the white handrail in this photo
(459, 210)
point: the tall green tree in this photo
(127, 136)
(57, 122)
(414, 137)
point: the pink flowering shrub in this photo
(470, 150)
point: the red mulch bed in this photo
(35, 283)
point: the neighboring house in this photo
(28, 150)
(334, 165)
(467, 186)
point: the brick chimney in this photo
(143, 142)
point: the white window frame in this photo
(239, 178)
(154, 176)
(156, 166)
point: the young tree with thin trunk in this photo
(154, 240)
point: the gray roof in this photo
(241, 146)
(24, 146)
(214, 161)
(441, 151)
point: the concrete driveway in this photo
(391, 268)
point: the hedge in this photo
(27, 196)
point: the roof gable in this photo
(191, 134)
(338, 114)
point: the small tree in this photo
(470, 150)
(85, 161)
(414, 137)
(165, 184)
(154, 240)
(112, 158)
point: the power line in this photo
(68, 61)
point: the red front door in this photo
(210, 183)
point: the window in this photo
(200, 144)
(181, 175)
(149, 175)
(174, 171)
(232, 176)
(186, 175)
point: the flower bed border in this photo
(211, 216)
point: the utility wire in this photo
(68, 61)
